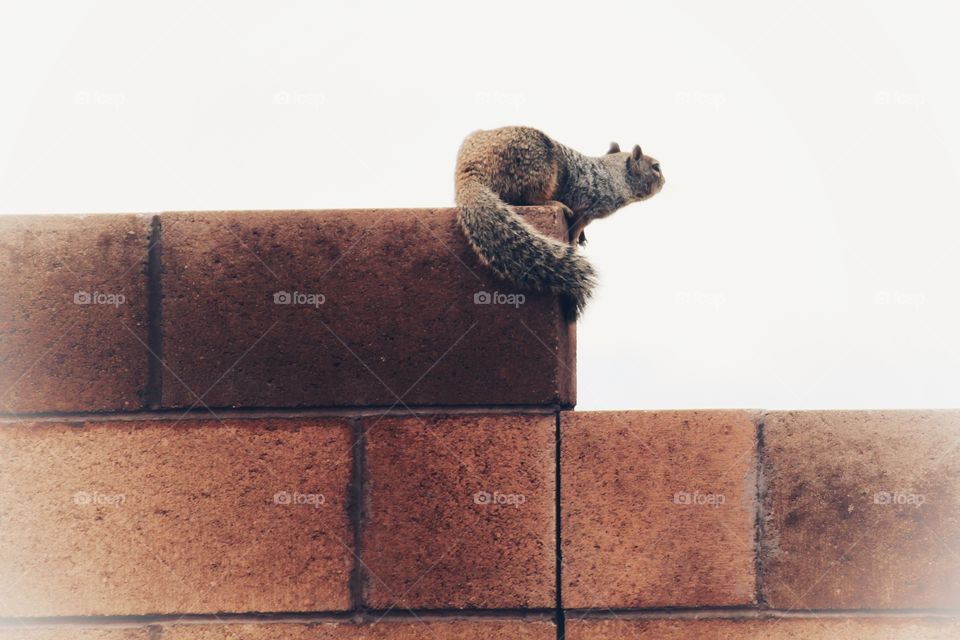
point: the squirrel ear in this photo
(637, 153)
(614, 148)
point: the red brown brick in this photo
(885, 628)
(658, 508)
(397, 325)
(23, 631)
(56, 353)
(128, 518)
(862, 509)
(460, 512)
(417, 629)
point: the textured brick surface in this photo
(16, 631)
(384, 630)
(771, 629)
(55, 353)
(430, 541)
(862, 510)
(149, 517)
(397, 322)
(658, 508)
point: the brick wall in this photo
(245, 425)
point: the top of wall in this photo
(261, 309)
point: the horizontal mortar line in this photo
(754, 612)
(281, 412)
(365, 616)
(456, 614)
(546, 615)
(378, 410)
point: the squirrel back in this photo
(523, 166)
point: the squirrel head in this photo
(641, 173)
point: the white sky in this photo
(804, 252)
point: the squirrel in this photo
(523, 166)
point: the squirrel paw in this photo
(576, 225)
(567, 211)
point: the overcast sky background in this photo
(803, 254)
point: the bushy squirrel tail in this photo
(517, 252)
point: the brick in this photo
(658, 508)
(398, 324)
(886, 628)
(21, 631)
(418, 629)
(57, 354)
(862, 509)
(430, 541)
(160, 517)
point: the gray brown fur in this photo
(523, 166)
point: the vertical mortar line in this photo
(154, 631)
(560, 616)
(356, 514)
(154, 391)
(759, 514)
